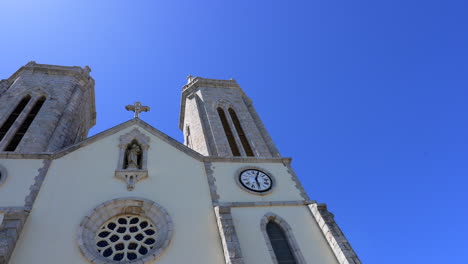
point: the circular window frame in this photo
(237, 180)
(3, 174)
(91, 223)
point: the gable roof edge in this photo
(129, 123)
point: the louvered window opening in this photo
(13, 116)
(228, 132)
(25, 125)
(240, 132)
(280, 244)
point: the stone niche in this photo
(133, 158)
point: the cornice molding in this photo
(76, 71)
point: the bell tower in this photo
(218, 119)
(45, 108)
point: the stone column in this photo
(227, 232)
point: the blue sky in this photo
(368, 97)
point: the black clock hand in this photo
(256, 179)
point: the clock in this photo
(255, 180)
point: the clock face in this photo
(255, 180)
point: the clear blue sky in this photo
(368, 97)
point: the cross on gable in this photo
(137, 108)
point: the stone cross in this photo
(137, 108)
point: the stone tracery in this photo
(129, 230)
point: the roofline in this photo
(136, 121)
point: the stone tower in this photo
(45, 108)
(218, 119)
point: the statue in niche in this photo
(133, 157)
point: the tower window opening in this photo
(13, 116)
(280, 244)
(227, 130)
(187, 138)
(240, 132)
(25, 125)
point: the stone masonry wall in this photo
(226, 94)
(10, 230)
(194, 112)
(67, 114)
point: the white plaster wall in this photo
(20, 176)
(307, 233)
(226, 175)
(81, 180)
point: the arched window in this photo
(25, 125)
(280, 244)
(227, 130)
(13, 116)
(240, 132)
(280, 240)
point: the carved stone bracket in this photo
(133, 169)
(131, 177)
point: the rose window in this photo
(125, 230)
(126, 237)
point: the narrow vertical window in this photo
(25, 125)
(280, 244)
(240, 132)
(187, 137)
(13, 116)
(227, 130)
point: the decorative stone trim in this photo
(132, 176)
(36, 186)
(13, 155)
(344, 253)
(10, 230)
(211, 182)
(138, 206)
(265, 203)
(135, 121)
(227, 232)
(240, 170)
(295, 179)
(3, 174)
(289, 235)
(248, 160)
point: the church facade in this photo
(132, 194)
